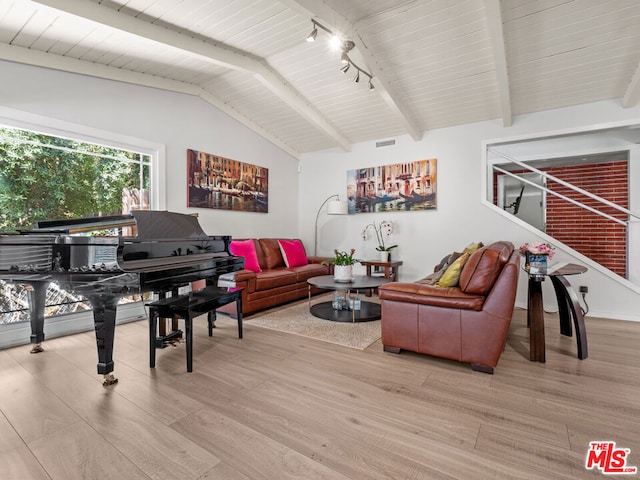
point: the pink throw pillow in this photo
(293, 253)
(246, 249)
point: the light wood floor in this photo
(278, 406)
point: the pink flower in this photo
(537, 249)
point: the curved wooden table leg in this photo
(563, 307)
(567, 296)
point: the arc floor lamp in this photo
(335, 207)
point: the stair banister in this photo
(566, 184)
(575, 202)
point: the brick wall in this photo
(594, 236)
(590, 234)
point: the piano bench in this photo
(188, 307)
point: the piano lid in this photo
(148, 225)
(164, 225)
(81, 225)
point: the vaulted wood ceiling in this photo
(435, 63)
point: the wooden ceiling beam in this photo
(632, 94)
(496, 36)
(219, 54)
(38, 58)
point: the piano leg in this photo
(37, 300)
(104, 319)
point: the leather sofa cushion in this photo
(425, 294)
(274, 278)
(304, 272)
(271, 253)
(483, 267)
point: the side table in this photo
(389, 269)
(568, 308)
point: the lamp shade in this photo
(337, 207)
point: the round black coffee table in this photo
(367, 312)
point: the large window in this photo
(49, 177)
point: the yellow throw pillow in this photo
(451, 277)
(472, 247)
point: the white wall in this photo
(461, 217)
(177, 122)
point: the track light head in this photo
(344, 58)
(312, 36)
(345, 68)
(314, 33)
(357, 79)
(371, 87)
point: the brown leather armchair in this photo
(468, 323)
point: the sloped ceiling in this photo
(435, 63)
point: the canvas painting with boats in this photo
(223, 183)
(399, 187)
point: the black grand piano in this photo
(168, 250)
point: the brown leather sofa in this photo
(468, 323)
(276, 283)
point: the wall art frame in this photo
(401, 187)
(222, 183)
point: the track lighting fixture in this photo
(314, 33)
(312, 36)
(346, 46)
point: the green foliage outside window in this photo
(43, 177)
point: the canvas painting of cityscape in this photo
(399, 187)
(223, 183)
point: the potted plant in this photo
(382, 230)
(342, 265)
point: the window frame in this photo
(11, 118)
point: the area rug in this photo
(297, 320)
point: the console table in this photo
(568, 308)
(188, 307)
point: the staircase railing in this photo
(547, 175)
